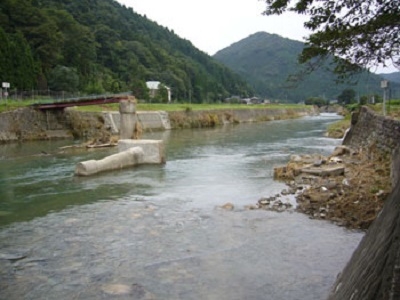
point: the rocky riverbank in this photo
(348, 187)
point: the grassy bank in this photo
(336, 130)
(187, 107)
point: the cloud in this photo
(212, 25)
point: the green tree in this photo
(78, 48)
(63, 78)
(319, 101)
(139, 89)
(347, 96)
(364, 99)
(162, 94)
(5, 57)
(24, 66)
(17, 65)
(359, 33)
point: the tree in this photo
(347, 96)
(5, 57)
(24, 66)
(63, 78)
(359, 33)
(318, 101)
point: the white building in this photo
(154, 86)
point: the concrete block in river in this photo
(154, 151)
(128, 158)
(131, 153)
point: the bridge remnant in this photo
(131, 153)
(127, 109)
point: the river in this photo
(156, 232)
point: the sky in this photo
(212, 25)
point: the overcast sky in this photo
(212, 25)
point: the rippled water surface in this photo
(154, 232)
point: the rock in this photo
(284, 192)
(327, 171)
(264, 201)
(228, 206)
(341, 150)
(288, 204)
(346, 182)
(295, 158)
(317, 163)
(12, 256)
(335, 160)
(251, 207)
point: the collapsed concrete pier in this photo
(131, 152)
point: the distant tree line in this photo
(346, 97)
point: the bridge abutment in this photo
(127, 109)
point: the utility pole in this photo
(384, 86)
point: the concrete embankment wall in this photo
(210, 118)
(373, 272)
(30, 124)
(372, 130)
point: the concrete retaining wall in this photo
(373, 272)
(372, 130)
(30, 124)
(210, 118)
(148, 120)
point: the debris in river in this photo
(348, 188)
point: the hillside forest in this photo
(269, 63)
(98, 46)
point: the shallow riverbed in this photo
(155, 232)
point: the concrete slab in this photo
(154, 152)
(325, 171)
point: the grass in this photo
(392, 109)
(337, 129)
(12, 105)
(187, 107)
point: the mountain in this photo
(97, 46)
(392, 77)
(266, 60)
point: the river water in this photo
(156, 232)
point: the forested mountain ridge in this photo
(393, 77)
(100, 45)
(266, 60)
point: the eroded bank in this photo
(30, 124)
